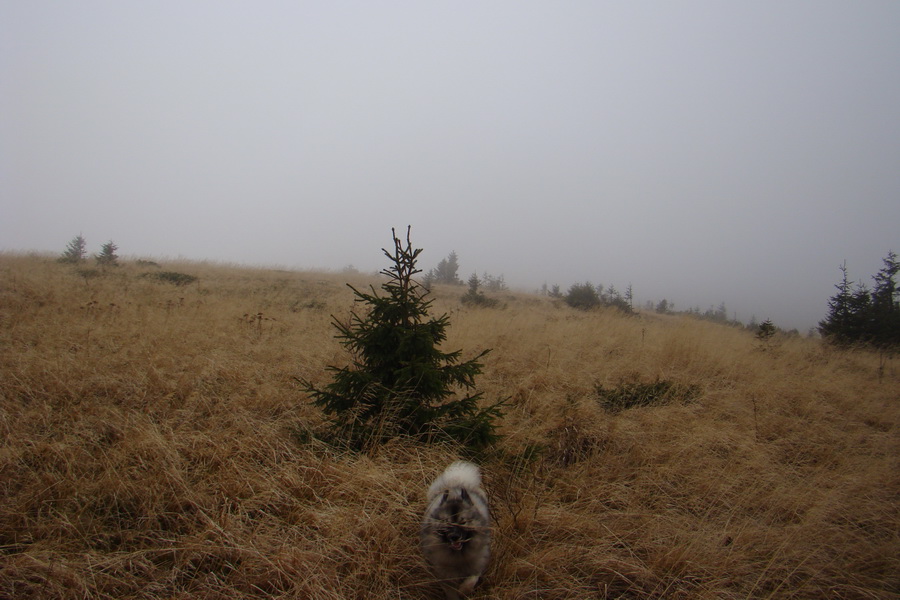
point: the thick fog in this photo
(702, 152)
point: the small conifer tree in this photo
(474, 283)
(75, 252)
(476, 297)
(837, 325)
(765, 332)
(107, 256)
(400, 383)
(885, 306)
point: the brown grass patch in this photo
(154, 445)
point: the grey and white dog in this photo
(455, 535)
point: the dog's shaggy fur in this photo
(455, 535)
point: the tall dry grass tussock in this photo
(155, 445)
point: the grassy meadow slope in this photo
(154, 444)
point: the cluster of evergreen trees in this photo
(76, 253)
(475, 296)
(585, 296)
(446, 272)
(857, 315)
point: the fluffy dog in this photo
(455, 535)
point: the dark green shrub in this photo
(583, 296)
(172, 277)
(400, 383)
(635, 394)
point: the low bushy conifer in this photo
(399, 382)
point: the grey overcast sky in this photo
(701, 151)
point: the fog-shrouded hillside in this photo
(156, 444)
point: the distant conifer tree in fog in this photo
(108, 256)
(447, 271)
(76, 250)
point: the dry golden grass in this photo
(154, 446)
